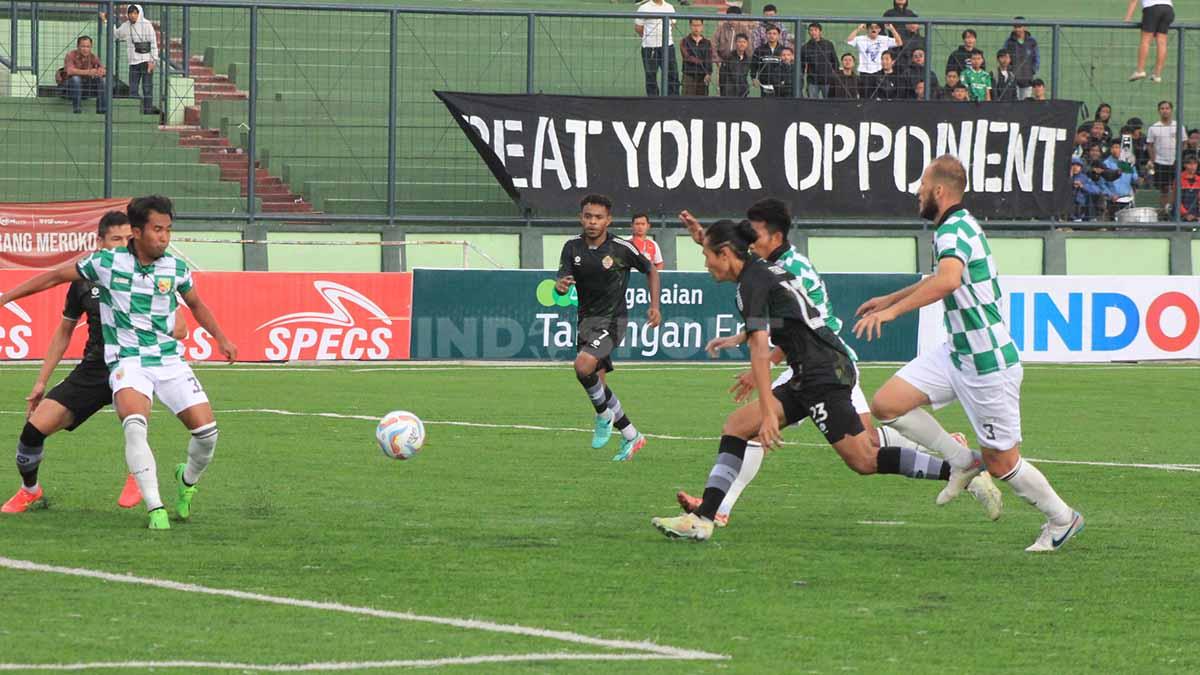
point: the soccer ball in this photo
(400, 434)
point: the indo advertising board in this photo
(1094, 319)
(270, 316)
(478, 314)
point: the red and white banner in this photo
(271, 316)
(45, 235)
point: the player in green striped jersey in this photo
(771, 219)
(979, 365)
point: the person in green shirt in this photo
(978, 79)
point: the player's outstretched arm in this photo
(929, 290)
(54, 354)
(44, 281)
(208, 322)
(693, 226)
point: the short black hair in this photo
(816, 24)
(81, 38)
(956, 71)
(636, 216)
(597, 199)
(976, 52)
(774, 213)
(1114, 141)
(1169, 104)
(970, 32)
(787, 49)
(110, 220)
(769, 8)
(773, 27)
(960, 85)
(1038, 82)
(733, 10)
(1085, 128)
(1003, 52)
(845, 55)
(139, 209)
(737, 236)
(741, 36)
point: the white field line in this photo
(334, 665)
(645, 647)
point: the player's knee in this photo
(586, 374)
(31, 436)
(884, 411)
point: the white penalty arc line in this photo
(646, 648)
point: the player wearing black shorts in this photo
(598, 264)
(84, 391)
(773, 301)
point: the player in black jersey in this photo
(772, 300)
(598, 264)
(84, 391)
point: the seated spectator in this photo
(870, 51)
(845, 83)
(1098, 132)
(82, 75)
(918, 90)
(1026, 58)
(766, 69)
(888, 84)
(977, 78)
(952, 81)
(961, 58)
(1120, 179)
(1004, 81)
(1088, 195)
(960, 93)
(1039, 91)
(759, 36)
(818, 60)
(1104, 114)
(787, 74)
(916, 73)
(142, 53)
(697, 54)
(733, 71)
(1189, 190)
(1083, 137)
(913, 40)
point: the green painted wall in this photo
(863, 254)
(688, 256)
(284, 258)
(1017, 256)
(212, 257)
(552, 248)
(1119, 256)
(504, 248)
(1196, 257)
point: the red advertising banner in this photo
(45, 235)
(271, 316)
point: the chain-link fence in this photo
(274, 111)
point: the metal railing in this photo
(315, 77)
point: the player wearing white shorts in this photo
(138, 286)
(771, 220)
(979, 366)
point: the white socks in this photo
(140, 460)
(751, 462)
(892, 438)
(200, 452)
(922, 428)
(1032, 486)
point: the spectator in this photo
(1088, 195)
(1104, 114)
(697, 54)
(733, 71)
(845, 83)
(952, 80)
(759, 37)
(961, 58)
(1120, 178)
(1192, 146)
(916, 73)
(1157, 17)
(899, 8)
(1161, 142)
(1189, 186)
(888, 85)
(724, 40)
(1083, 138)
(960, 93)
(787, 74)
(83, 75)
(1026, 58)
(918, 90)
(657, 51)
(818, 60)
(1098, 133)
(1004, 82)
(640, 227)
(766, 70)
(913, 40)
(870, 51)
(1140, 150)
(1039, 91)
(978, 79)
(142, 52)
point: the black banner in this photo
(717, 155)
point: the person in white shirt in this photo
(870, 51)
(142, 47)
(1161, 141)
(1157, 17)
(657, 52)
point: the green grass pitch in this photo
(533, 527)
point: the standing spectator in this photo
(953, 79)
(766, 70)
(978, 79)
(818, 60)
(733, 71)
(787, 74)
(1189, 185)
(1004, 82)
(1161, 141)
(697, 54)
(640, 227)
(870, 51)
(845, 83)
(915, 72)
(900, 8)
(1104, 115)
(1119, 180)
(658, 51)
(1039, 91)
(142, 52)
(913, 40)
(83, 75)
(759, 37)
(888, 85)
(1026, 58)
(960, 58)
(1141, 152)
(1192, 146)
(725, 39)
(1157, 17)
